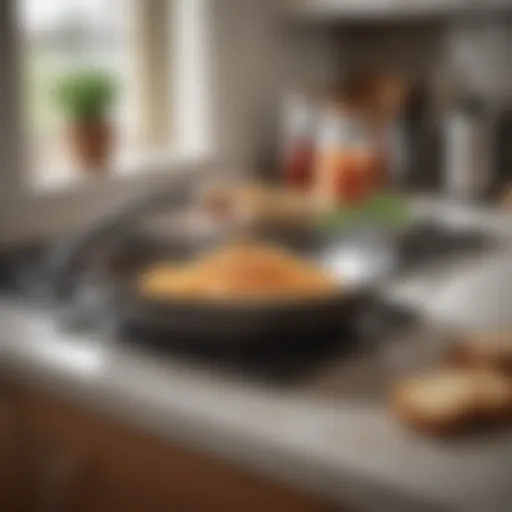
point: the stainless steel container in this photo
(467, 156)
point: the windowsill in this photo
(51, 209)
(65, 180)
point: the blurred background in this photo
(228, 228)
(201, 82)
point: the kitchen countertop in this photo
(343, 444)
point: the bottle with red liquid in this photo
(298, 147)
(348, 162)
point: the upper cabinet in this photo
(369, 10)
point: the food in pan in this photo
(240, 271)
(451, 400)
(492, 350)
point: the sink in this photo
(467, 293)
(477, 296)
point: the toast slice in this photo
(449, 401)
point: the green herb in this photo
(341, 218)
(384, 210)
(387, 209)
(85, 94)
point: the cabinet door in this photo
(13, 456)
(100, 466)
(63, 478)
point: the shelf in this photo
(391, 10)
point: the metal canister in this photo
(467, 151)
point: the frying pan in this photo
(210, 326)
(224, 324)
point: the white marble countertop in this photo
(342, 447)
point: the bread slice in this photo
(438, 403)
(448, 401)
(493, 393)
(491, 350)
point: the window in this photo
(134, 43)
(169, 57)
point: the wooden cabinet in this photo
(64, 459)
(13, 461)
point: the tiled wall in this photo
(475, 55)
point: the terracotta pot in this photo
(91, 142)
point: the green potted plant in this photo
(85, 97)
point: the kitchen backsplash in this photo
(467, 55)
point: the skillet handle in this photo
(64, 258)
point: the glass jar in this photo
(348, 160)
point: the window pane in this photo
(60, 37)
